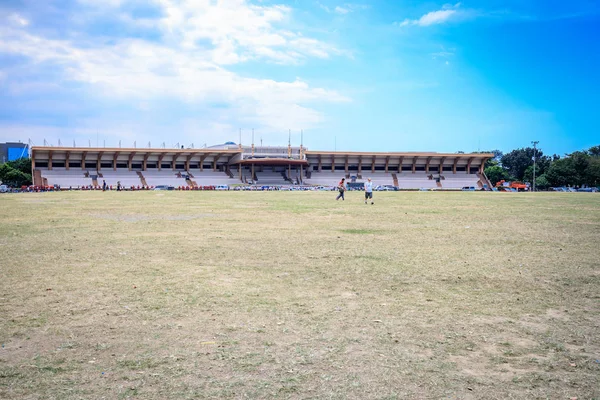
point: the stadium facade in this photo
(231, 163)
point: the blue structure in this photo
(13, 151)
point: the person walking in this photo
(341, 189)
(369, 191)
(103, 185)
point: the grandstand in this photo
(231, 164)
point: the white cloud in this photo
(180, 66)
(344, 9)
(18, 20)
(447, 13)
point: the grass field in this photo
(186, 295)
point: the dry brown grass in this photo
(292, 295)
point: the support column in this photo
(427, 165)
(332, 163)
(400, 164)
(50, 160)
(387, 163)
(215, 161)
(320, 163)
(346, 165)
(441, 168)
(202, 158)
(187, 162)
(83, 160)
(33, 169)
(482, 168)
(469, 165)
(67, 160)
(454, 166)
(115, 156)
(414, 165)
(160, 158)
(373, 165)
(130, 161)
(252, 178)
(145, 163)
(360, 165)
(98, 161)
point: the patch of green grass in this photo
(360, 231)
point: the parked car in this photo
(468, 189)
(164, 187)
(4, 189)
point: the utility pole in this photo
(534, 157)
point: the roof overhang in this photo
(272, 161)
(397, 154)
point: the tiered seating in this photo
(270, 178)
(66, 178)
(324, 178)
(236, 174)
(459, 180)
(246, 174)
(127, 178)
(418, 180)
(165, 177)
(378, 178)
(294, 175)
(213, 178)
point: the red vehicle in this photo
(519, 186)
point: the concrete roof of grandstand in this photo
(398, 154)
(272, 161)
(43, 149)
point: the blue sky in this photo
(399, 75)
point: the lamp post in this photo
(534, 157)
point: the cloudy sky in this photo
(400, 75)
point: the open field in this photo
(186, 295)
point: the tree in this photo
(16, 178)
(594, 151)
(517, 161)
(562, 173)
(16, 173)
(528, 175)
(592, 172)
(495, 174)
(22, 164)
(541, 182)
(4, 170)
(580, 161)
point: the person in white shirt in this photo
(369, 191)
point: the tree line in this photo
(578, 169)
